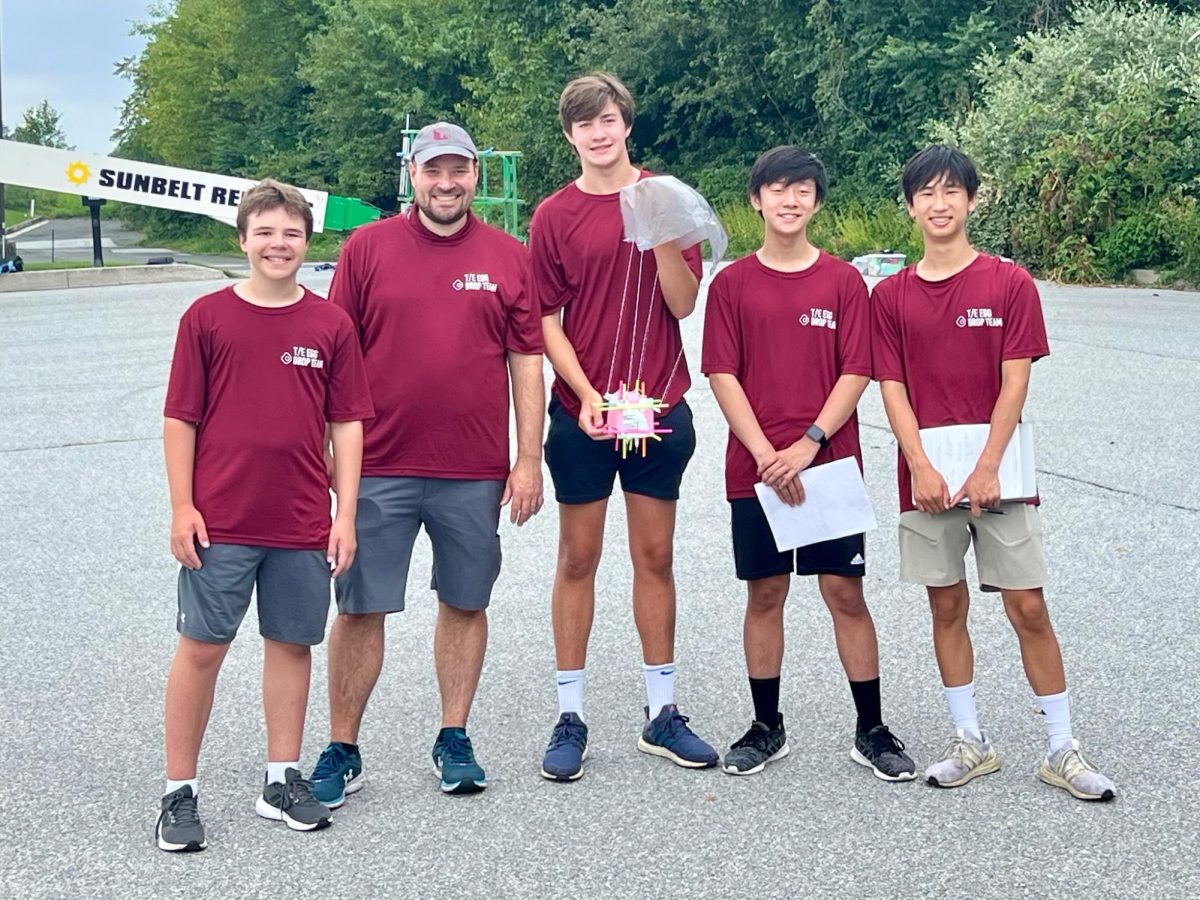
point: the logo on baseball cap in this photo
(440, 139)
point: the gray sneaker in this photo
(752, 751)
(1067, 769)
(179, 827)
(293, 804)
(883, 753)
(963, 759)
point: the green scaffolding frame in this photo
(497, 204)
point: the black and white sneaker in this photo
(757, 747)
(883, 753)
(179, 827)
(293, 804)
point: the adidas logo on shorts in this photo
(858, 560)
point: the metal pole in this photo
(3, 230)
(94, 205)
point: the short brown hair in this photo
(270, 194)
(584, 97)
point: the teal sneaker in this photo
(454, 762)
(338, 772)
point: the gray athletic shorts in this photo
(462, 519)
(1008, 548)
(292, 593)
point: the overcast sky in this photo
(64, 51)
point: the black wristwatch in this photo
(816, 435)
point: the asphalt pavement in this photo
(89, 635)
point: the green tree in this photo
(217, 89)
(1089, 137)
(39, 125)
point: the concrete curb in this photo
(28, 225)
(62, 279)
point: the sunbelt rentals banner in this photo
(146, 184)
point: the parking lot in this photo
(88, 637)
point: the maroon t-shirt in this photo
(787, 337)
(582, 265)
(945, 340)
(436, 317)
(261, 382)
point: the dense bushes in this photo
(1089, 139)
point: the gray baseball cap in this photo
(440, 139)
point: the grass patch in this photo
(72, 264)
(51, 204)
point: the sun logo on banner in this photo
(78, 173)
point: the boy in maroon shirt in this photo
(610, 315)
(787, 350)
(955, 337)
(259, 369)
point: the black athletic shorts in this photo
(583, 470)
(755, 556)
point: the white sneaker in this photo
(1068, 769)
(963, 759)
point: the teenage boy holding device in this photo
(608, 310)
(259, 369)
(954, 340)
(787, 353)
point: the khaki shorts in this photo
(1008, 548)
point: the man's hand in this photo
(591, 419)
(790, 490)
(524, 489)
(343, 542)
(930, 493)
(982, 488)
(187, 527)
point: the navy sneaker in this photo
(567, 749)
(338, 772)
(454, 761)
(668, 735)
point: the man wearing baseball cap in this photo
(440, 303)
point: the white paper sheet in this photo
(835, 505)
(954, 450)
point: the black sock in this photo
(867, 704)
(765, 692)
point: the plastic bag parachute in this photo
(662, 208)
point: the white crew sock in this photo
(174, 784)
(1057, 709)
(571, 683)
(277, 771)
(660, 687)
(962, 709)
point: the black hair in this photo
(936, 162)
(788, 164)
